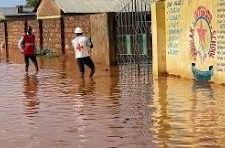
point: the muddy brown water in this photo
(119, 108)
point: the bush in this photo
(46, 53)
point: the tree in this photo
(32, 3)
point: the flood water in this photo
(117, 109)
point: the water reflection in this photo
(187, 113)
(205, 115)
(162, 120)
(86, 87)
(204, 88)
(30, 91)
(118, 108)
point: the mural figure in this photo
(203, 42)
(202, 75)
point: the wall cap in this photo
(48, 17)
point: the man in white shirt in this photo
(81, 46)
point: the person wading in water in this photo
(81, 46)
(27, 47)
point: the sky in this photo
(11, 3)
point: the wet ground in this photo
(117, 109)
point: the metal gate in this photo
(133, 32)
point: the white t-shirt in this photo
(81, 46)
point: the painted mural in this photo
(195, 39)
(203, 37)
(220, 5)
(202, 42)
(173, 26)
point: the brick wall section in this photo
(2, 39)
(48, 8)
(100, 38)
(94, 25)
(14, 33)
(35, 25)
(70, 23)
(2, 32)
(52, 35)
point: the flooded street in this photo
(117, 109)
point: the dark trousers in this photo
(33, 59)
(86, 61)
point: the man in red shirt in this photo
(28, 49)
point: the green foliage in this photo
(46, 53)
(32, 3)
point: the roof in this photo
(97, 6)
(133, 5)
(85, 6)
(13, 11)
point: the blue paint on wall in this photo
(202, 75)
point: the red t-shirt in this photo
(29, 43)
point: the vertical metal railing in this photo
(133, 32)
(133, 36)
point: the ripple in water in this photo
(120, 109)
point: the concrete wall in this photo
(195, 33)
(158, 36)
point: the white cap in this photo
(78, 30)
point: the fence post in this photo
(128, 44)
(25, 25)
(62, 34)
(6, 40)
(40, 23)
(144, 44)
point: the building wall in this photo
(35, 25)
(195, 34)
(56, 34)
(2, 42)
(15, 30)
(100, 38)
(52, 34)
(70, 23)
(95, 26)
(2, 33)
(158, 31)
(48, 8)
